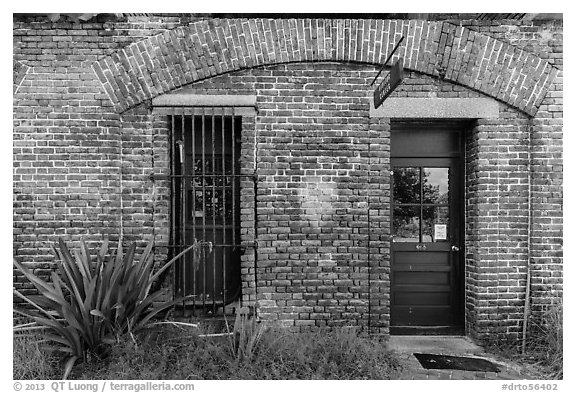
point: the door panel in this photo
(422, 278)
(430, 316)
(422, 298)
(432, 258)
(426, 225)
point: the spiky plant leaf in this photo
(95, 299)
(68, 366)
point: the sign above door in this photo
(392, 80)
(389, 84)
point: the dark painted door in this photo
(427, 219)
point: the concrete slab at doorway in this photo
(445, 345)
(411, 369)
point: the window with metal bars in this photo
(205, 189)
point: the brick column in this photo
(547, 197)
(247, 216)
(137, 159)
(161, 187)
(379, 219)
(496, 226)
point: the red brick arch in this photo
(156, 65)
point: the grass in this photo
(170, 352)
(31, 362)
(544, 345)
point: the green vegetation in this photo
(175, 352)
(31, 361)
(544, 345)
(96, 318)
(93, 300)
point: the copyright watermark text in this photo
(529, 386)
(102, 386)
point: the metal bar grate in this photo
(205, 186)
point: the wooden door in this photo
(427, 222)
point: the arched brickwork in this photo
(204, 49)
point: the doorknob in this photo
(455, 248)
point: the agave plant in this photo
(92, 300)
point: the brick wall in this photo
(81, 168)
(497, 210)
(66, 144)
(312, 203)
(312, 133)
(547, 170)
(75, 159)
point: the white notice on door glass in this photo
(439, 232)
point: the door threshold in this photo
(427, 331)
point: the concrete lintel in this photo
(436, 108)
(180, 99)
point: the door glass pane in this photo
(406, 185)
(435, 185)
(435, 224)
(406, 224)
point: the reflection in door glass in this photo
(435, 224)
(406, 224)
(435, 185)
(406, 185)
